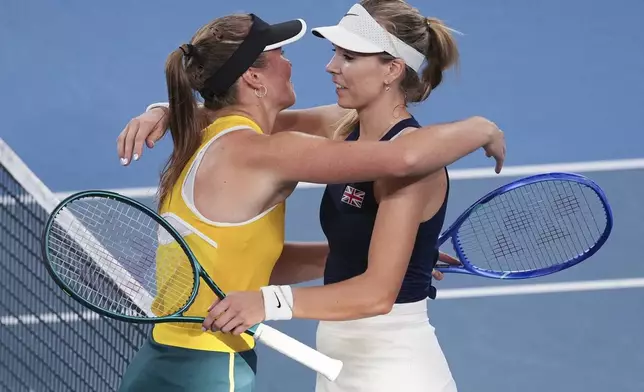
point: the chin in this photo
(292, 96)
(288, 103)
(346, 104)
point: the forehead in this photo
(277, 52)
(352, 53)
(271, 56)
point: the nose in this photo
(332, 67)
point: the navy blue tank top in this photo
(347, 216)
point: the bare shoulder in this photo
(423, 184)
(407, 131)
(240, 140)
(238, 148)
(416, 184)
(424, 187)
(227, 187)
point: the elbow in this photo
(408, 164)
(381, 305)
(378, 296)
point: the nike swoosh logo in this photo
(351, 14)
(279, 304)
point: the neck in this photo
(264, 117)
(377, 118)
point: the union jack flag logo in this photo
(352, 196)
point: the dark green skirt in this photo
(157, 367)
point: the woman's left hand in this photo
(236, 313)
(445, 258)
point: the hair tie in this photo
(187, 49)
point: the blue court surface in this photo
(562, 78)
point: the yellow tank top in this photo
(238, 256)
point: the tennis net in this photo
(50, 343)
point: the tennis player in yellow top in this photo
(229, 174)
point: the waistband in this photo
(401, 316)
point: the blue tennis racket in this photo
(531, 227)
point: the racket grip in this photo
(307, 356)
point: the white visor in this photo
(359, 32)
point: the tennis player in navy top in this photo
(348, 215)
(377, 264)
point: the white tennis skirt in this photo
(395, 352)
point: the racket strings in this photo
(533, 227)
(108, 253)
(83, 276)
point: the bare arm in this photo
(319, 121)
(293, 156)
(300, 262)
(373, 292)
(305, 261)
(150, 127)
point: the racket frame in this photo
(467, 267)
(315, 360)
(196, 267)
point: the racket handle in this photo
(307, 356)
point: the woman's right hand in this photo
(495, 148)
(148, 127)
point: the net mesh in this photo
(109, 253)
(49, 342)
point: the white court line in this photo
(540, 288)
(472, 292)
(460, 174)
(48, 318)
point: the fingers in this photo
(215, 302)
(226, 321)
(500, 161)
(124, 152)
(222, 317)
(240, 329)
(145, 129)
(158, 131)
(217, 308)
(437, 275)
(139, 139)
(445, 258)
(129, 143)
(120, 144)
(499, 165)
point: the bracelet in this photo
(165, 105)
(155, 105)
(278, 302)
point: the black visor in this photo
(262, 37)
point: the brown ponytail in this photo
(442, 54)
(186, 70)
(429, 36)
(185, 126)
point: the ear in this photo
(253, 78)
(395, 70)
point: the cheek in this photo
(285, 72)
(279, 72)
(362, 81)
